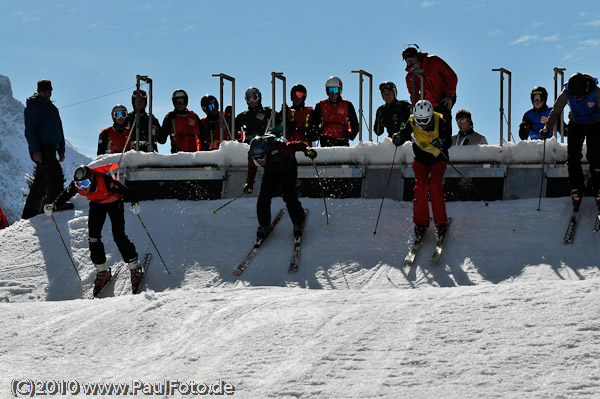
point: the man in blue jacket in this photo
(45, 138)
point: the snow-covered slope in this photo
(509, 311)
(15, 164)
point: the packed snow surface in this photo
(508, 312)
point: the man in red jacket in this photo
(439, 83)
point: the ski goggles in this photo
(299, 94)
(386, 87)
(83, 184)
(422, 121)
(212, 106)
(120, 114)
(259, 157)
(537, 97)
(333, 90)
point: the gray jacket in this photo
(468, 138)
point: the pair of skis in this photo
(418, 241)
(135, 288)
(570, 232)
(293, 267)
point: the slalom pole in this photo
(65, 245)
(543, 167)
(385, 191)
(472, 185)
(151, 240)
(322, 191)
(227, 203)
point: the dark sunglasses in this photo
(83, 184)
(462, 120)
(259, 157)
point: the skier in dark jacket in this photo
(46, 140)
(392, 115)
(105, 194)
(582, 94)
(255, 120)
(277, 158)
(432, 141)
(143, 117)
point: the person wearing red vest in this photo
(105, 194)
(334, 120)
(114, 139)
(439, 82)
(181, 125)
(298, 115)
(210, 128)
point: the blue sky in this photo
(90, 49)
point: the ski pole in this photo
(151, 240)
(543, 167)
(227, 203)
(65, 245)
(322, 191)
(385, 190)
(472, 185)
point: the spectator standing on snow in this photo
(181, 125)
(392, 115)
(582, 94)
(142, 98)
(255, 120)
(466, 135)
(432, 141)
(105, 196)
(535, 119)
(439, 81)
(334, 120)
(46, 141)
(114, 139)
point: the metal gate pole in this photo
(278, 75)
(361, 74)
(508, 122)
(557, 91)
(148, 81)
(222, 77)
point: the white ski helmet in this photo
(422, 113)
(333, 81)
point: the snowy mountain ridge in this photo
(15, 163)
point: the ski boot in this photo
(261, 233)
(419, 232)
(441, 230)
(576, 198)
(102, 278)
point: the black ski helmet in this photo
(116, 109)
(387, 85)
(298, 88)
(251, 93)
(578, 85)
(142, 93)
(412, 50)
(541, 91)
(258, 146)
(206, 101)
(180, 93)
(82, 172)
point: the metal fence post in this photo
(361, 117)
(278, 75)
(557, 91)
(222, 77)
(502, 117)
(147, 80)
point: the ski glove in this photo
(49, 209)
(438, 143)
(135, 208)
(248, 188)
(312, 154)
(397, 139)
(544, 133)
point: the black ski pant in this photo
(446, 114)
(579, 133)
(47, 184)
(268, 189)
(97, 216)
